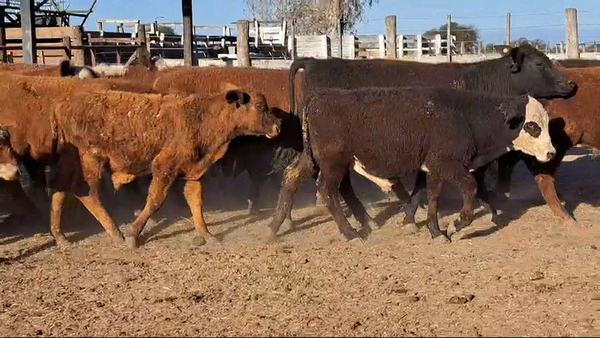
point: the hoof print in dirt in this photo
(537, 276)
(461, 299)
(414, 299)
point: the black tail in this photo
(296, 65)
(307, 151)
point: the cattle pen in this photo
(528, 274)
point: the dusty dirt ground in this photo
(530, 276)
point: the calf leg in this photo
(92, 171)
(193, 195)
(356, 207)
(434, 192)
(256, 183)
(487, 196)
(506, 165)
(328, 183)
(298, 172)
(468, 188)
(410, 209)
(157, 193)
(58, 200)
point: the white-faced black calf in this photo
(385, 133)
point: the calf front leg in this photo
(506, 165)
(193, 195)
(433, 194)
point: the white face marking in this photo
(541, 146)
(8, 171)
(384, 184)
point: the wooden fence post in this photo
(419, 47)
(390, 36)
(400, 46)
(243, 43)
(78, 54)
(449, 40)
(572, 33)
(3, 53)
(381, 40)
(438, 44)
(67, 44)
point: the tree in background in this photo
(538, 43)
(468, 34)
(166, 30)
(310, 16)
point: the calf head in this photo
(251, 113)
(533, 73)
(533, 138)
(9, 168)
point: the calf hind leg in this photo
(328, 184)
(157, 193)
(356, 207)
(293, 176)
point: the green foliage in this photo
(464, 33)
(166, 30)
(310, 16)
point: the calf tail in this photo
(306, 142)
(296, 65)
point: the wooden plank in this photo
(113, 40)
(42, 33)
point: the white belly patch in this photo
(384, 184)
(424, 168)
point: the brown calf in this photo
(574, 121)
(163, 135)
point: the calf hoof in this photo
(453, 228)
(571, 223)
(351, 234)
(408, 220)
(199, 241)
(364, 232)
(289, 224)
(272, 238)
(356, 241)
(132, 242)
(441, 239)
(410, 228)
(62, 242)
(118, 239)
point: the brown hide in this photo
(581, 113)
(27, 106)
(273, 83)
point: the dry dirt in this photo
(530, 276)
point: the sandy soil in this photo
(527, 276)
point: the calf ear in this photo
(503, 49)
(238, 97)
(517, 57)
(513, 116)
(278, 113)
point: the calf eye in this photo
(532, 129)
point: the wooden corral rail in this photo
(57, 43)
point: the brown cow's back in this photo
(273, 83)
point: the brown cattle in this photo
(79, 131)
(261, 158)
(574, 121)
(9, 167)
